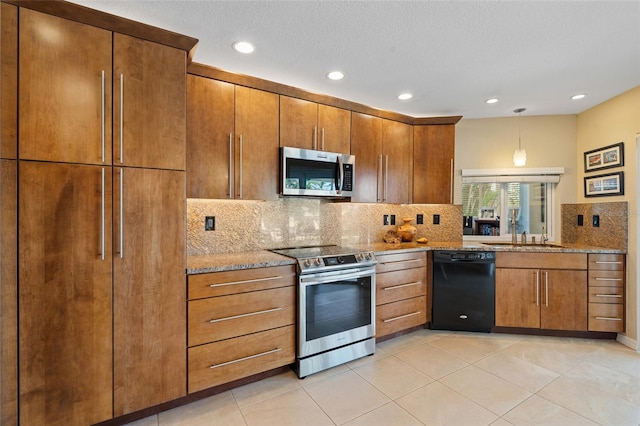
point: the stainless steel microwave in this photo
(306, 172)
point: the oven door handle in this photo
(335, 276)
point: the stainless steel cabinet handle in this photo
(322, 139)
(102, 113)
(102, 213)
(386, 178)
(618, 296)
(256, 280)
(394, 287)
(121, 213)
(401, 317)
(315, 137)
(250, 314)
(246, 358)
(609, 318)
(240, 162)
(121, 118)
(608, 279)
(451, 186)
(378, 178)
(400, 261)
(230, 165)
(608, 262)
(537, 288)
(546, 288)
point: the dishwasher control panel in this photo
(467, 255)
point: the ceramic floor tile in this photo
(591, 401)
(539, 411)
(487, 390)
(377, 356)
(579, 348)
(401, 343)
(624, 360)
(540, 354)
(431, 360)
(346, 396)
(291, 408)
(501, 422)
(266, 388)
(437, 404)
(147, 421)
(387, 415)
(611, 381)
(322, 375)
(393, 377)
(469, 348)
(217, 410)
(518, 371)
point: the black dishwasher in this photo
(463, 290)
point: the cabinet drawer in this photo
(400, 285)
(232, 359)
(606, 278)
(541, 260)
(401, 315)
(606, 262)
(230, 282)
(218, 318)
(400, 261)
(606, 317)
(606, 295)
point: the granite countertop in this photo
(200, 264)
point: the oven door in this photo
(335, 309)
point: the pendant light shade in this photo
(519, 155)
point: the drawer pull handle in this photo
(609, 295)
(266, 311)
(608, 279)
(400, 261)
(609, 318)
(393, 287)
(608, 262)
(401, 317)
(245, 281)
(246, 358)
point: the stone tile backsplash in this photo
(256, 225)
(613, 229)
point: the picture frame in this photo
(604, 158)
(604, 185)
(487, 213)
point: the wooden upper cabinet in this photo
(149, 125)
(366, 145)
(65, 85)
(396, 152)
(256, 144)
(433, 164)
(210, 134)
(308, 125)
(9, 86)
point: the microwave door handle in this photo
(340, 175)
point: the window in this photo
(491, 200)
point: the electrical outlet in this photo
(580, 220)
(596, 221)
(393, 219)
(385, 219)
(419, 219)
(436, 219)
(210, 223)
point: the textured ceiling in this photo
(452, 55)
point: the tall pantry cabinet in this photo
(101, 226)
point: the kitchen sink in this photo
(549, 246)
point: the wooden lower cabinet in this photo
(401, 290)
(606, 292)
(543, 297)
(240, 323)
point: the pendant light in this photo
(519, 155)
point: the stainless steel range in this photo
(336, 306)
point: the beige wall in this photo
(550, 141)
(617, 120)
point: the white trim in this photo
(628, 342)
(520, 171)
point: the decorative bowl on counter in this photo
(392, 237)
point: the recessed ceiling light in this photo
(405, 96)
(335, 75)
(579, 96)
(243, 47)
(492, 100)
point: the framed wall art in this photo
(604, 158)
(604, 185)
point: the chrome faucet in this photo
(543, 237)
(523, 239)
(514, 237)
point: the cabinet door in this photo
(9, 86)
(298, 123)
(210, 116)
(65, 85)
(366, 145)
(334, 129)
(433, 154)
(149, 104)
(149, 294)
(65, 294)
(396, 150)
(564, 298)
(517, 298)
(257, 158)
